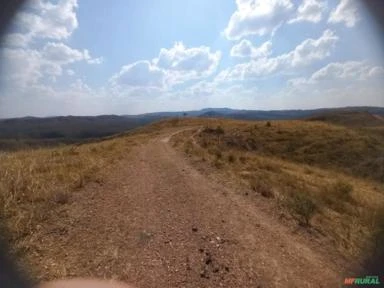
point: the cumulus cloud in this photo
(312, 49)
(139, 74)
(15, 40)
(27, 66)
(350, 70)
(257, 17)
(22, 67)
(305, 53)
(352, 82)
(48, 20)
(340, 75)
(29, 62)
(346, 12)
(310, 10)
(246, 49)
(62, 54)
(172, 66)
(183, 64)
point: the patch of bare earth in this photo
(156, 221)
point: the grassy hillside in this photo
(20, 133)
(36, 183)
(350, 118)
(355, 152)
(27, 132)
(327, 177)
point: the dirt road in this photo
(158, 222)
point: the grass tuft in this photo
(303, 206)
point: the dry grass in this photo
(33, 183)
(314, 171)
(38, 185)
(320, 174)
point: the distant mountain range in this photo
(70, 129)
(243, 114)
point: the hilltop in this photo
(201, 202)
(19, 133)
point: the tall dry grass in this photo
(309, 169)
(33, 182)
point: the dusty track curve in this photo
(158, 222)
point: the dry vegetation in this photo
(36, 183)
(329, 178)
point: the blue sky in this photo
(90, 57)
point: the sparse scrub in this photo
(33, 182)
(204, 144)
(329, 177)
(243, 159)
(174, 121)
(61, 197)
(342, 190)
(270, 167)
(355, 152)
(336, 195)
(303, 206)
(231, 158)
(260, 186)
(218, 132)
(218, 163)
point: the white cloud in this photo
(182, 64)
(338, 84)
(342, 76)
(377, 71)
(70, 72)
(48, 20)
(95, 61)
(22, 66)
(80, 87)
(27, 66)
(139, 74)
(16, 40)
(346, 12)
(62, 54)
(29, 62)
(257, 17)
(313, 49)
(350, 70)
(310, 10)
(245, 49)
(173, 66)
(305, 53)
